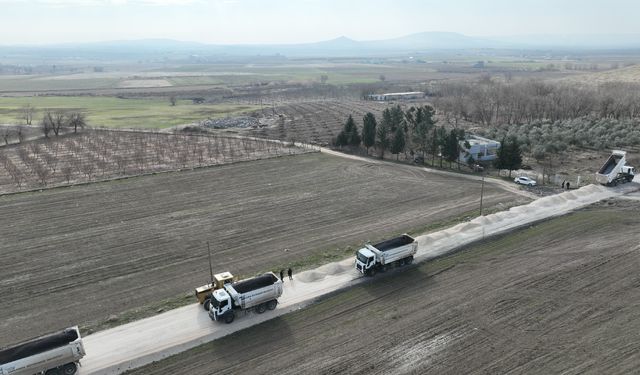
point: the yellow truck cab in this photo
(203, 293)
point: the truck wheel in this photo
(52, 371)
(207, 304)
(372, 272)
(228, 317)
(261, 308)
(69, 369)
(408, 261)
(383, 268)
(271, 305)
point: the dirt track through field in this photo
(555, 297)
(82, 254)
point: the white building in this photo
(482, 149)
(397, 96)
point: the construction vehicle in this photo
(259, 293)
(203, 293)
(397, 251)
(615, 171)
(57, 353)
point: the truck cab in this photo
(221, 305)
(365, 260)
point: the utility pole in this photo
(481, 193)
(210, 266)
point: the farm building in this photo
(397, 96)
(482, 149)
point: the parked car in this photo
(418, 159)
(525, 181)
(476, 168)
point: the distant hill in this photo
(154, 49)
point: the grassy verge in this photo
(316, 259)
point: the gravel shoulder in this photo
(81, 254)
(556, 297)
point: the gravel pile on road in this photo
(244, 122)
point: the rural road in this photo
(506, 185)
(138, 343)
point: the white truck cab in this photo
(365, 259)
(220, 303)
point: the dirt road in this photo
(555, 297)
(151, 339)
(90, 253)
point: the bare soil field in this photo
(89, 253)
(557, 297)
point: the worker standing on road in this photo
(563, 184)
(282, 275)
(567, 185)
(290, 273)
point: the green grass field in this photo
(120, 113)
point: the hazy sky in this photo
(291, 21)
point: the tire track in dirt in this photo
(85, 253)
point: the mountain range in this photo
(411, 44)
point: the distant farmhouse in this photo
(397, 96)
(482, 149)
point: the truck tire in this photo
(206, 304)
(408, 260)
(69, 369)
(228, 317)
(271, 305)
(52, 371)
(371, 272)
(261, 308)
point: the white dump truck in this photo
(397, 251)
(615, 171)
(54, 354)
(259, 293)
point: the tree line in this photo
(412, 132)
(490, 102)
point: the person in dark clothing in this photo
(290, 273)
(567, 185)
(563, 185)
(282, 275)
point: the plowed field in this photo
(86, 253)
(558, 297)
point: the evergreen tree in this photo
(450, 149)
(351, 130)
(349, 135)
(382, 141)
(369, 130)
(509, 155)
(398, 144)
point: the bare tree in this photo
(67, 171)
(6, 133)
(77, 120)
(26, 113)
(53, 121)
(42, 172)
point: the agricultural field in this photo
(556, 297)
(91, 255)
(112, 112)
(103, 155)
